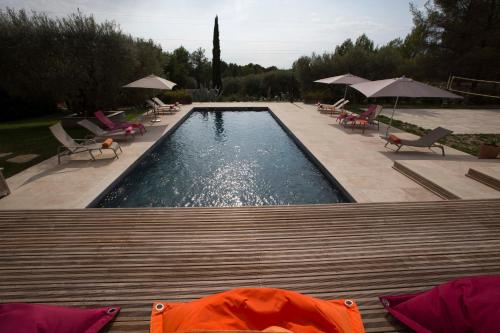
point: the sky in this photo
(266, 32)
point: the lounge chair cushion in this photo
(394, 139)
(257, 309)
(461, 306)
(107, 143)
(38, 318)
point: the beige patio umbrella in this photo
(346, 79)
(152, 82)
(401, 87)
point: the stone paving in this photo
(358, 161)
(460, 121)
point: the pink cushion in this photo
(467, 305)
(38, 318)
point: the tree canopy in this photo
(449, 37)
(72, 59)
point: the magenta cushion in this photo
(467, 305)
(38, 318)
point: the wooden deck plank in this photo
(133, 257)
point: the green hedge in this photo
(269, 85)
(322, 96)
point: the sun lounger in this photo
(112, 126)
(373, 117)
(329, 107)
(4, 188)
(364, 119)
(429, 140)
(157, 109)
(72, 146)
(344, 118)
(336, 109)
(162, 105)
(101, 134)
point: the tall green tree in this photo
(216, 70)
(200, 67)
(178, 68)
(463, 37)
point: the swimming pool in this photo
(221, 159)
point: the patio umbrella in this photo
(152, 82)
(347, 79)
(401, 87)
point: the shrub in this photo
(232, 86)
(173, 96)
(323, 96)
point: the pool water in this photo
(224, 158)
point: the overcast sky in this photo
(267, 32)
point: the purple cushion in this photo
(37, 318)
(467, 305)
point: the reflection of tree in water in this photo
(204, 114)
(219, 124)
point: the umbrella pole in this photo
(345, 91)
(392, 117)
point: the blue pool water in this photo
(224, 158)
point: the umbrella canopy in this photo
(151, 82)
(401, 87)
(346, 79)
(343, 79)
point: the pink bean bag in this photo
(38, 318)
(467, 305)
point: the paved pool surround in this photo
(359, 162)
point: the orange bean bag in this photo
(257, 309)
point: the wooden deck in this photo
(132, 257)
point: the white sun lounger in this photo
(162, 105)
(72, 146)
(329, 107)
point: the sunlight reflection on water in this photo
(217, 159)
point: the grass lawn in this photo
(32, 136)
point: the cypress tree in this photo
(216, 75)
